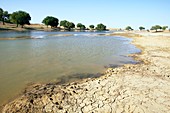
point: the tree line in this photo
(67, 25)
(22, 18)
(155, 27)
(18, 17)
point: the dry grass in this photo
(9, 26)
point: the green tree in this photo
(128, 28)
(67, 25)
(70, 25)
(156, 27)
(81, 26)
(141, 28)
(5, 17)
(1, 13)
(164, 28)
(91, 26)
(101, 27)
(63, 23)
(20, 17)
(52, 21)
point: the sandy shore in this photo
(140, 88)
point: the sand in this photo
(132, 88)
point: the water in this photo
(56, 57)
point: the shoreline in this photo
(129, 88)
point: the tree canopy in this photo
(1, 13)
(70, 25)
(67, 25)
(52, 21)
(164, 27)
(128, 28)
(63, 23)
(4, 16)
(20, 17)
(91, 26)
(81, 26)
(101, 27)
(141, 28)
(156, 27)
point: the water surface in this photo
(54, 56)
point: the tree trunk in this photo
(3, 21)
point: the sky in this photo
(112, 13)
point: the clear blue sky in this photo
(113, 13)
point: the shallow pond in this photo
(57, 57)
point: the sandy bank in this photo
(142, 88)
(37, 27)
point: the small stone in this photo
(31, 101)
(60, 108)
(57, 103)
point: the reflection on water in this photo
(57, 57)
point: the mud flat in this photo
(139, 88)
